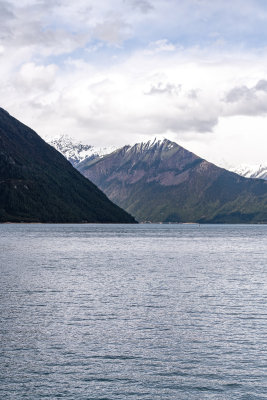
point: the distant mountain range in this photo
(76, 152)
(160, 181)
(251, 171)
(37, 184)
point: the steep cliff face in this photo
(37, 184)
(160, 181)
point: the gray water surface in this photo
(107, 312)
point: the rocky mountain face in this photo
(251, 171)
(37, 184)
(75, 151)
(159, 181)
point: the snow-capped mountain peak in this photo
(251, 171)
(153, 144)
(76, 151)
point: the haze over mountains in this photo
(37, 184)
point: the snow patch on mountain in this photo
(76, 151)
(153, 144)
(251, 171)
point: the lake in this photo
(108, 312)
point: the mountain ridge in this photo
(77, 152)
(251, 171)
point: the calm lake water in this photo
(107, 312)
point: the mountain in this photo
(161, 181)
(75, 151)
(37, 184)
(251, 171)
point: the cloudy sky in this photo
(121, 71)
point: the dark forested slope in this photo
(37, 184)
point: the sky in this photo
(124, 71)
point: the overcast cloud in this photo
(117, 72)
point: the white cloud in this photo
(161, 88)
(242, 100)
(112, 30)
(144, 6)
(36, 77)
(120, 71)
(110, 105)
(160, 46)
